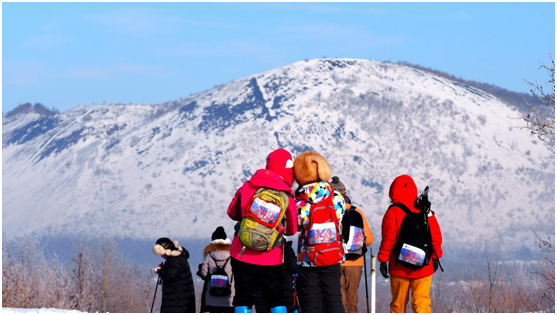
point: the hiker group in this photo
(260, 268)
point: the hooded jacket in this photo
(219, 251)
(178, 293)
(403, 190)
(238, 208)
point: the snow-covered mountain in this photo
(143, 171)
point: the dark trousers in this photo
(218, 309)
(261, 306)
(249, 277)
(319, 289)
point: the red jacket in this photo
(403, 190)
(237, 211)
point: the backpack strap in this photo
(223, 265)
(226, 262)
(401, 207)
(214, 260)
(407, 212)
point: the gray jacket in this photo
(220, 252)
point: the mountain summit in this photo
(142, 171)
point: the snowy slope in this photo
(139, 171)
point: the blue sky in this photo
(65, 54)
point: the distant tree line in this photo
(519, 100)
(28, 108)
(522, 101)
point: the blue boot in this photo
(242, 309)
(278, 309)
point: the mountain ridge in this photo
(105, 167)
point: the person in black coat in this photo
(178, 293)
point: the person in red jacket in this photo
(254, 269)
(403, 280)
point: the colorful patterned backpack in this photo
(322, 238)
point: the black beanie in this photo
(337, 185)
(166, 243)
(218, 234)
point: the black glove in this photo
(435, 265)
(198, 273)
(383, 269)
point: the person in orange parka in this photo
(403, 190)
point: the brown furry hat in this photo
(311, 167)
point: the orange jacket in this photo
(369, 239)
(403, 190)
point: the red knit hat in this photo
(281, 162)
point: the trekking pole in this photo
(154, 296)
(372, 282)
(365, 277)
(296, 299)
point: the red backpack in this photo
(323, 238)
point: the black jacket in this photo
(178, 293)
(290, 260)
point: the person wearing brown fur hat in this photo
(178, 292)
(320, 210)
(217, 254)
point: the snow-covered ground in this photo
(8, 310)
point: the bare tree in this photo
(84, 296)
(100, 279)
(546, 267)
(120, 286)
(481, 294)
(500, 286)
(31, 278)
(541, 121)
